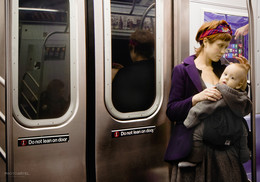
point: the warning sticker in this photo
(40, 140)
(133, 131)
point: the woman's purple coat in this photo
(185, 83)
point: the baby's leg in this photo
(244, 152)
(198, 132)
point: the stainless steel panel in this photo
(181, 30)
(253, 84)
(140, 157)
(2, 170)
(57, 161)
(2, 38)
(2, 99)
(8, 106)
(2, 92)
(52, 162)
(2, 57)
(2, 136)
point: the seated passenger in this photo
(133, 87)
(115, 68)
(52, 101)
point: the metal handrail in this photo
(2, 81)
(52, 33)
(2, 117)
(133, 7)
(252, 88)
(30, 90)
(25, 111)
(40, 9)
(36, 83)
(145, 14)
(27, 76)
(28, 101)
(2, 154)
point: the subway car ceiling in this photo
(138, 2)
(129, 15)
(43, 4)
(43, 12)
(137, 7)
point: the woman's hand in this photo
(242, 31)
(211, 94)
(243, 60)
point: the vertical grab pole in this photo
(252, 88)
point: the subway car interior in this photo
(63, 114)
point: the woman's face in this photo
(215, 50)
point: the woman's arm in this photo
(242, 31)
(179, 103)
(184, 95)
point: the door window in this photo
(132, 64)
(42, 83)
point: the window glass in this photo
(44, 58)
(133, 50)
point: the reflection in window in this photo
(44, 58)
(133, 56)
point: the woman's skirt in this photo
(217, 166)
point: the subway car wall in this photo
(58, 120)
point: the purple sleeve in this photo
(180, 101)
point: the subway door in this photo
(132, 134)
(2, 94)
(47, 126)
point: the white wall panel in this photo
(197, 8)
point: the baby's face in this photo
(233, 76)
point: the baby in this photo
(221, 124)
